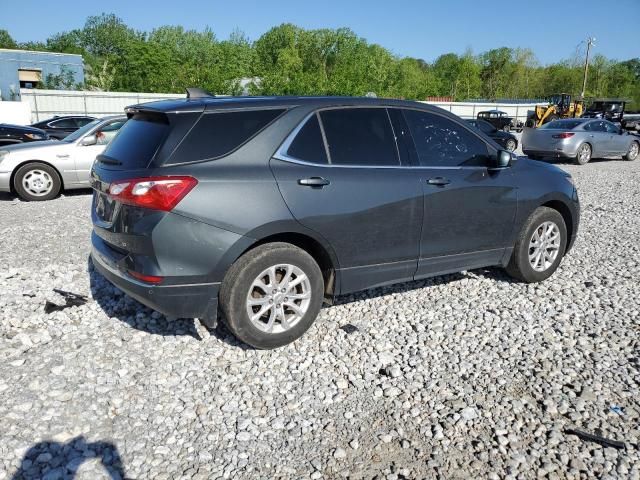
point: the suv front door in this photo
(469, 211)
(341, 176)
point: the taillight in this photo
(564, 135)
(157, 193)
(145, 278)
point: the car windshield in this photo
(80, 132)
(561, 125)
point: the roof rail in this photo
(198, 93)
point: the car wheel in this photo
(271, 295)
(539, 247)
(584, 154)
(634, 149)
(37, 182)
(511, 145)
(506, 128)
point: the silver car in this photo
(40, 170)
(580, 139)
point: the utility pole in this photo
(590, 41)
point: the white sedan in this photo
(40, 170)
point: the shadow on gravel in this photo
(142, 318)
(12, 197)
(54, 460)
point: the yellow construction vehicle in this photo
(560, 106)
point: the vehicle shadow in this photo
(63, 460)
(12, 197)
(116, 304)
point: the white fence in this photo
(47, 103)
(471, 109)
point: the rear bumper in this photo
(199, 300)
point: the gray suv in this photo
(266, 207)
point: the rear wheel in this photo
(506, 128)
(511, 145)
(37, 182)
(634, 150)
(539, 247)
(584, 154)
(272, 295)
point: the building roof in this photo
(39, 52)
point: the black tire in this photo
(519, 266)
(511, 145)
(506, 128)
(49, 176)
(580, 158)
(633, 154)
(239, 279)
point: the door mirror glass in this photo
(501, 160)
(89, 140)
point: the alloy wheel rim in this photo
(544, 246)
(278, 298)
(633, 151)
(37, 182)
(585, 153)
(511, 145)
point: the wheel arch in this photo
(321, 253)
(564, 210)
(25, 162)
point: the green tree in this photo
(6, 41)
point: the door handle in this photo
(314, 182)
(62, 155)
(439, 181)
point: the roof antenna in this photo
(193, 92)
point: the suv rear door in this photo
(341, 175)
(469, 211)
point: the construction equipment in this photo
(560, 106)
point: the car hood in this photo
(38, 148)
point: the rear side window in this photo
(136, 142)
(359, 136)
(308, 144)
(64, 123)
(441, 142)
(218, 134)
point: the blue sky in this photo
(553, 29)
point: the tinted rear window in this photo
(218, 134)
(136, 142)
(561, 125)
(308, 144)
(360, 136)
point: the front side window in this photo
(440, 142)
(595, 127)
(308, 144)
(611, 128)
(359, 136)
(485, 127)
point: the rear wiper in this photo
(107, 160)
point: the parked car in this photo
(61, 126)
(580, 139)
(11, 134)
(506, 140)
(501, 120)
(268, 206)
(39, 171)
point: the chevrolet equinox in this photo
(265, 207)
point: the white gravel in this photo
(462, 376)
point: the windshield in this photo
(80, 132)
(561, 125)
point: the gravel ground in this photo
(462, 376)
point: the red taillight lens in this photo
(564, 135)
(157, 193)
(145, 278)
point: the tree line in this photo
(289, 60)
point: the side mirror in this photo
(89, 140)
(502, 160)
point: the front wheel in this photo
(506, 128)
(271, 295)
(634, 149)
(539, 247)
(511, 145)
(37, 182)
(584, 154)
